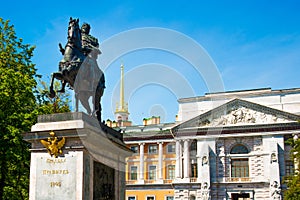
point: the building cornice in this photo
(239, 94)
(241, 131)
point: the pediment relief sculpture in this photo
(240, 116)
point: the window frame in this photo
(239, 161)
(193, 146)
(152, 172)
(168, 172)
(149, 149)
(289, 168)
(236, 147)
(194, 174)
(173, 147)
(150, 196)
(166, 197)
(131, 197)
(135, 146)
(130, 173)
(240, 169)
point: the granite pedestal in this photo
(90, 165)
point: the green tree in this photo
(17, 80)
(47, 105)
(20, 103)
(293, 181)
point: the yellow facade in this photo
(143, 194)
(150, 187)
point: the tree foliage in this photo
(46, 105)
(20, 104)
(17, 80)
(293, 181)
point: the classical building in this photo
(228, 145)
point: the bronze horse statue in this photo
(80, 71)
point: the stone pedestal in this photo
(90, 165)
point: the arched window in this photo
(239, 166)
(239, 149)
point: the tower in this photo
(121, 113)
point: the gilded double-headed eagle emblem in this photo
(54, 145)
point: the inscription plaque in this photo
(56, 178)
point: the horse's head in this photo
(74, 34)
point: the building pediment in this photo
(239, 112)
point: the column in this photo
(199, 160)
(181, 159)
(186, 156)
(141, 178)
(160, 160)
(178, 160)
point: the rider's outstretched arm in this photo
(61, 49)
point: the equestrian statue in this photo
(79, 69)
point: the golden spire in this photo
(121, 107)
(122, 102)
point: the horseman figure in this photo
(90, 45)
(79, 68)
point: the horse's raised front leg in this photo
(52, 92)
(63, 85)
(58, 76)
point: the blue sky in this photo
(252, 43)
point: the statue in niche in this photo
(79, 69)
(275, 191)
(204, 160)
(205, 191)
(273, 157)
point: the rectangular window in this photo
(152, 172)
(289, 168)
(171, 172)
(169, 198)
(131, 198)
(194, 170)
(150, 198)
(171, 148)
(240, 196)
(152, 149)
(133, 173)
(240, 167)
(193, 146)
(135, 149)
